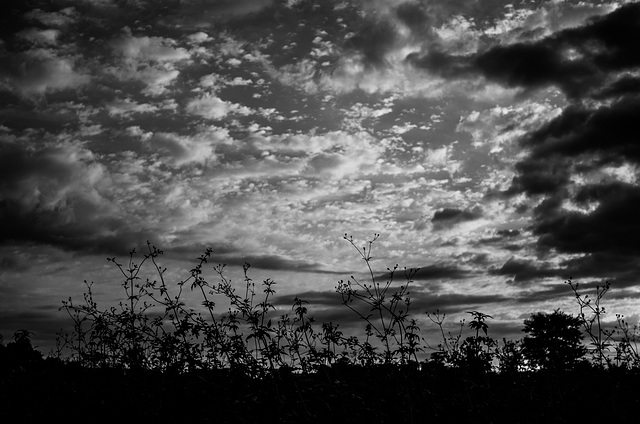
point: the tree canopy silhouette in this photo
(553, 341)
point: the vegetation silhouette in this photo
(251, 363)
(553, 341)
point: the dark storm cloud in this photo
(562, 290)
(456, 215)
(11, 263)
(620, 270)
(578, 60)
(608, 132)
(53, 228)
(592, 62)
(37, 71)
(20, 117)
(533, 66)
(413, 15)
(426, 273)
(619, 88)
(586, 63)
(317, 298)
(608, 234)
(276, 263)
(454, 302)
(231, 255)
(540, 176)
(612, 227)
(448, 217)
(328, 307)
(46, 195)
(373, 41)
(207, 12)
(433, 272)
(508, 233)
(522, 271)
(545, 293)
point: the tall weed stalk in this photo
(386, 313)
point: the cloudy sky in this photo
(493, 144)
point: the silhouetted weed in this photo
(157, 356)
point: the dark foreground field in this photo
(125, 365)
(54, 390)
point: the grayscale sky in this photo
(493, 144)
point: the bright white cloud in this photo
(501, 126)
(458, 36)
(550, 17)
(199, 37)
(212, 107)
(440, 159)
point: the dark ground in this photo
(43, 390)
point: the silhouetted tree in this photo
(553, 341)
(19, 352)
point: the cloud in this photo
(58, 19)
(455, 303)
(611, 227)
(621, 270)
(548, 18)
(199, 37)
(38, 37)
(540, 177)
(275, 262)
(204, 13)
(501, 127)
(373, 41)
(576, 60)
(523, 271)
(156, 49)
(39, 71)
(327, 306)
(182, 150)
(151, 60)
(585, 208)
(127, 107)
(414, 16)
(428, 273)
(212, 107)
(448, 217)
(59, 195)
(331, 156)
(609, 132)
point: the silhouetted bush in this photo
(19, 352)
(553, 341)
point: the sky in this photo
(493, 144)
